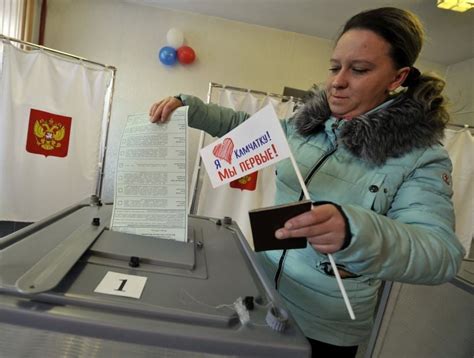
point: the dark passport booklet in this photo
(265, 221)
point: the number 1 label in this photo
(120, 284)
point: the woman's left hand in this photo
(323, 226)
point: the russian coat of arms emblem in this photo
(48, 134)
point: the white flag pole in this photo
(331, 259)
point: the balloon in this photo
(167, 56)
(175, 37)
(186, 55)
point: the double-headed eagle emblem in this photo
(245, 179)
(49, 134)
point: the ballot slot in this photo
(150, 254)
(137, 249)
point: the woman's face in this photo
(361, 73)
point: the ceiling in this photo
(449, 35)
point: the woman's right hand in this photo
(160, 111)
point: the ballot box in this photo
(71, 287)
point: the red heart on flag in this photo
(224, 150)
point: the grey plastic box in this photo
(48, 307)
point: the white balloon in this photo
(175, 37)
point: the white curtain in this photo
(235, 202)
(460, 146)
(10, 17)
(51, 114)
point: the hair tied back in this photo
(412, 78)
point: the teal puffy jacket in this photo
(392, 181)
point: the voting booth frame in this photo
(24, 45)
(71, 286)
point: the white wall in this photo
(460, 90)
(129, 37)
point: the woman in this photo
(375, 169)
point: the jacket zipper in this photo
(323, 159)
(308, 178)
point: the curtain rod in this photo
(11, 39)
(460, 125)
(218, 85)
(106, 117)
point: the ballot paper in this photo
(150, 180)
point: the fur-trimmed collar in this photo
(389, 132)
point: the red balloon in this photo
(186, 55)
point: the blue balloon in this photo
(168, 56)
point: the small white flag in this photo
(255, 144)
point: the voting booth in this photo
(69, 285)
